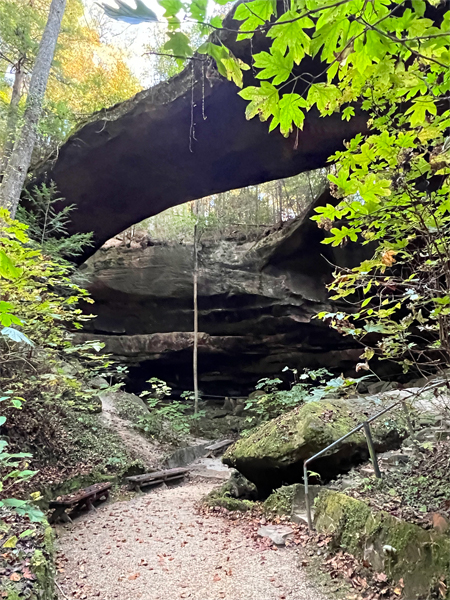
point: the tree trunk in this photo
(13, 113)
(195, 353)
(19, 162)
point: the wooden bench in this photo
(78, 500)
(217, 447)
(137, 481)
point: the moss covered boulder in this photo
(273, 455)
(402, 550)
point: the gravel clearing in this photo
(157, 547)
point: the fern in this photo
(47, 219)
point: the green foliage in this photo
(13, 470)
(47, 224)
(39, 302)
(310, 386)
(395, 197)
(366, 48)
(166, 422)
(159, 389)
(169, 420)
(29, 300)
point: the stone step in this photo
(396, 459)
(300, 517)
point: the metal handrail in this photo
(366, 426)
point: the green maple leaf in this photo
(7, 268)
(216, 21)
(234, 67)
(264, 101)
(421, 106)
(290, 113)
(172, 7)
(178, 43)
(373, 188)
(291, 36)
(219, 53)
(198, 9)
(348, 113)
(273, 65)
(254, 14)
(325, 96)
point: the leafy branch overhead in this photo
(367, 50)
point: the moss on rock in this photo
(272, 455)
(128, 406)
(217, 498)
(402, 550)
(281, 501)
(293, 433)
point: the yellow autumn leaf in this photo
(11, 542)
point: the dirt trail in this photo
(157, 547)
(139, 447)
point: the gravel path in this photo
(157, 547)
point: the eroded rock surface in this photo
(183, 139)
(256, 307)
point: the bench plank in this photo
(219, 445)
(93, 491)
(84, 497)
(163, 475)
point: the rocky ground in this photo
(159, 547)
(415, 482)
(140, 448)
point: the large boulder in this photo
(273, 455)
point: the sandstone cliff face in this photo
(256, 307)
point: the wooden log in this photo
(221, 445)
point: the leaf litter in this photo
(186, 553)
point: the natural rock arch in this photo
(183, 139)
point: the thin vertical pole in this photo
(307, 502)
(372, 452)
(195, 354)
